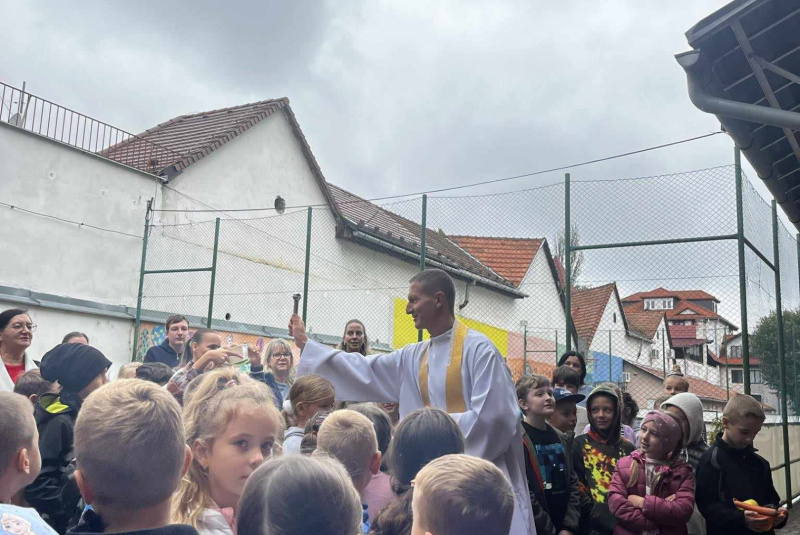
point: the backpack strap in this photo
(716, 466)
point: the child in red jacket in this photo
(652, 490)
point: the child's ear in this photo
(187, 460)
(83, 486)
(375, 463)
(23, 461)
(200, 452)
(34, 398)
(522, 404)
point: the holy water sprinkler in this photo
(296, 298)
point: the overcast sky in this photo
(393, 96)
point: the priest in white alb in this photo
(458, 370)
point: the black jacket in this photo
(92, 523)
(55, 418)
(725, 474)
(165, 354)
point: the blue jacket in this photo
(165, 354)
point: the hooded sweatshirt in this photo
(601, 451)
(55, 418)
(692, 408)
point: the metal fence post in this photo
(307, 270)
(213, 274)
(524, 347)
(556, 351)
(742, 274)
(794, 369)
(138, 321)
(781, 354)
(567, 264)
(423, 247)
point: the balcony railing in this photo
(35, 114)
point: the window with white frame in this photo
(735, 351)
(755, 377)
(654, 354)
(658, 304)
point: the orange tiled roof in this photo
(697, 311)
(508, 257)
(680, 294)
(645, 322)
(699, 387)
(588, 307)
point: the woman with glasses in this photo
(16, 335)
(280, 362)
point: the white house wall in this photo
(622, 345)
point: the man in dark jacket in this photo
(732, 470)
(175, 349)
(80, 370)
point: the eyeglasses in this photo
(279, 355)
(18, 327)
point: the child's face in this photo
(539, 401)
(740, 433)
(651, 442)
(602, 410)
(97, 382)
(208, 342)
(675, 385)
(565, 417)
(572, 388)
(235, 454)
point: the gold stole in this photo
(454, 389)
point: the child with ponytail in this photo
(308, 395)
(652, 491)
(231, 424)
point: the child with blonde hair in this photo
(130, 456)
(308, 395)
(128, 371)
(458, 494)
(676, 382)
(277, 496)
(652, 490)
(231, 424)
(350, 438)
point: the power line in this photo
(78, 223)
(464, 186)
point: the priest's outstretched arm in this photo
(354, 377)
(491, 423)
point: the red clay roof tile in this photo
(508, 257)
(587, 309)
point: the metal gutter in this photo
(708, 96)
(434, 263)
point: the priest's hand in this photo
(297, 329)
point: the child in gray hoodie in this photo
(689, 410)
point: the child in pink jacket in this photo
(652, 491)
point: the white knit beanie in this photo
(692, 407)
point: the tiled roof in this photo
(734, 361)
(587, 309)
(697, 311)
(508, 257)
(683, 331)
(192, 136)
(645, 322)
(699, 387)
(680, 294)
(371, 219)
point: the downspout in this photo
(707, 95)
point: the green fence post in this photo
(794, 367)
(742, 274)
(138, 321)
(307, 270)
(556, 347)
(567, 264)
(781, 354)
(213, 274)
(423, 247)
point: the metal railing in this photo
(45, 118)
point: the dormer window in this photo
(658, 304)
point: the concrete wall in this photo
(45, 255)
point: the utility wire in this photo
(472, 185)
(78, 223)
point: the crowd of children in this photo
(210, 450)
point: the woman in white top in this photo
(16, 335)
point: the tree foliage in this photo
(576, 257)
(764, 346)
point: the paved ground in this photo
(793, 527)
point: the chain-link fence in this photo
(669, 280)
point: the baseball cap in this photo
(562, 394)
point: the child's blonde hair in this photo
(308, 389)
(128, 371)
(277, 494)
(349, 437)
(129, 444)
(676, 373)
(17, 427)
(463, 494)
(742, 406)
(219, 396)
